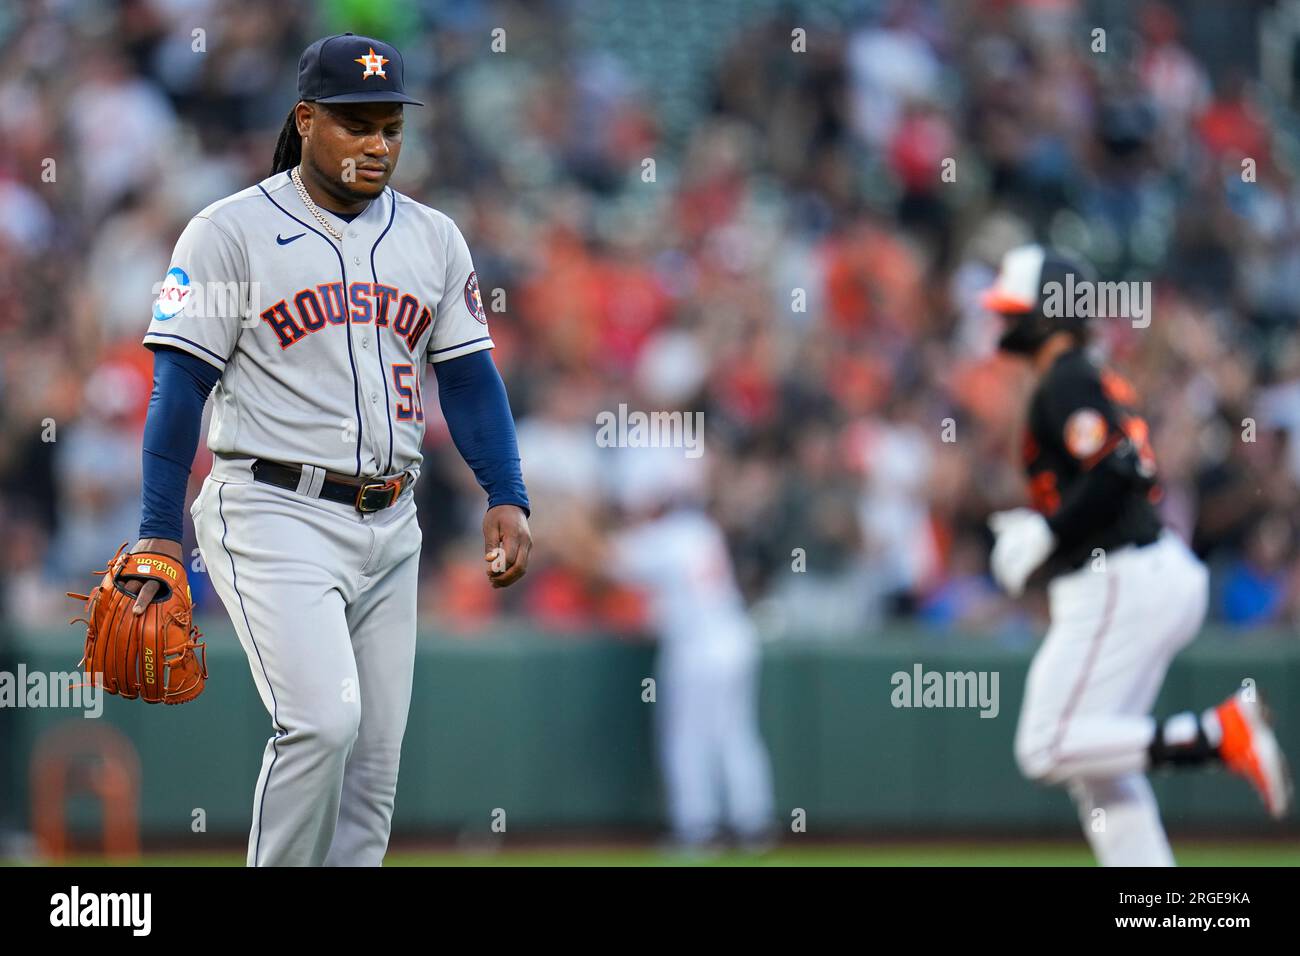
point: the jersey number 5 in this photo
(409, 407)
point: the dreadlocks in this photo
(288, 149)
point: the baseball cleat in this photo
(1249, 747)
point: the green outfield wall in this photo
(554, 732)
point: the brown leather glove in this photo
(149, 655)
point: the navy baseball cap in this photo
(346, 68)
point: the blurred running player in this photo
(1124, 594)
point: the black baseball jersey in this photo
(1091, 469)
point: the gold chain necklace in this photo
(311, 206)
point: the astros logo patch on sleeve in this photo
(173, 295)
(473, 300)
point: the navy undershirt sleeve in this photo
(181, 383)
(473, 400)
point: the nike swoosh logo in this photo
(284, 242)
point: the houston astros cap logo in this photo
(374, 64)
(327, 71)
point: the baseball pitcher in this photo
(311, 301)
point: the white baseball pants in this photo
(715, 766)
(323, 600)
(1085, 721)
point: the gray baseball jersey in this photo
(320, 343)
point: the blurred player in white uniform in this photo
(1125, 595)
(716, 769)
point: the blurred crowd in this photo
(801, 262)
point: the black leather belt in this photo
(364, 494)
